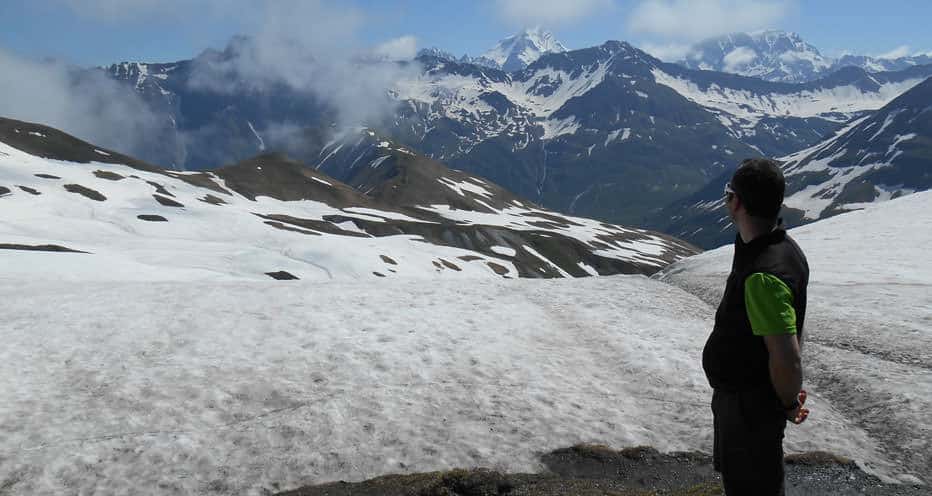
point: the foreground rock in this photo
(591, 470)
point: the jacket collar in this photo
(759, 243)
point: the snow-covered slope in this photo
(197, 387)
(245, 387)
(269, 215)
(868, 344)
(742, 104)
(876, 158)
(520, 50)
(881, 64)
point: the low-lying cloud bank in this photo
(312, 49)
(85, 103)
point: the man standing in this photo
(752, 358)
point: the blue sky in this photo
(98, 32)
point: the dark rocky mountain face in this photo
(874, 158)
(215, 127)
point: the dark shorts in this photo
(749, 441)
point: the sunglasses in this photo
(729, 191)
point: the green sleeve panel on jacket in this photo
(769, 304)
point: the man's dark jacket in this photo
(734, 358)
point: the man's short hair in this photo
(759, 184)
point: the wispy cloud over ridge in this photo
(314, 47)
(898, 52)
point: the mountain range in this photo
(607, 132)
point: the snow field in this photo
(807, 103)
(199, 241)
(235, 386)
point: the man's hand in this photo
(799, 414)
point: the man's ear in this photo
(738, 203)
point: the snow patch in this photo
(377, 162)
(504, 250)
(554, 128)
(462, 187)
(261, 142)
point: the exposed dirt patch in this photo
(543, 224)
(317, 225)
(816, 458)
(4, 191)
(55, 248)
(47, 176)
(450, 265)
(213, 200)
(469, 258)
(283, 227)
(152, 218)
(29, 190)
(499, 269)
(160, 189)
(388, 260)
(276, 176)
(86, 192)
(282, 276)
(378, 274)
(57, 145)
(200, 179)
(596, 470)
(556, 219)
(112, 176)
(167, 201)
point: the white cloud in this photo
(738, 58)
(693, 20)
(313, 47)
(898, 52)
(669, 52)
(403, 48)
(86, 104)
(550, 12)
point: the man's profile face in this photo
(730, 202)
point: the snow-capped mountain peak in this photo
(772, 55)
(518, 51)
(436, 52)
(783, 56)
